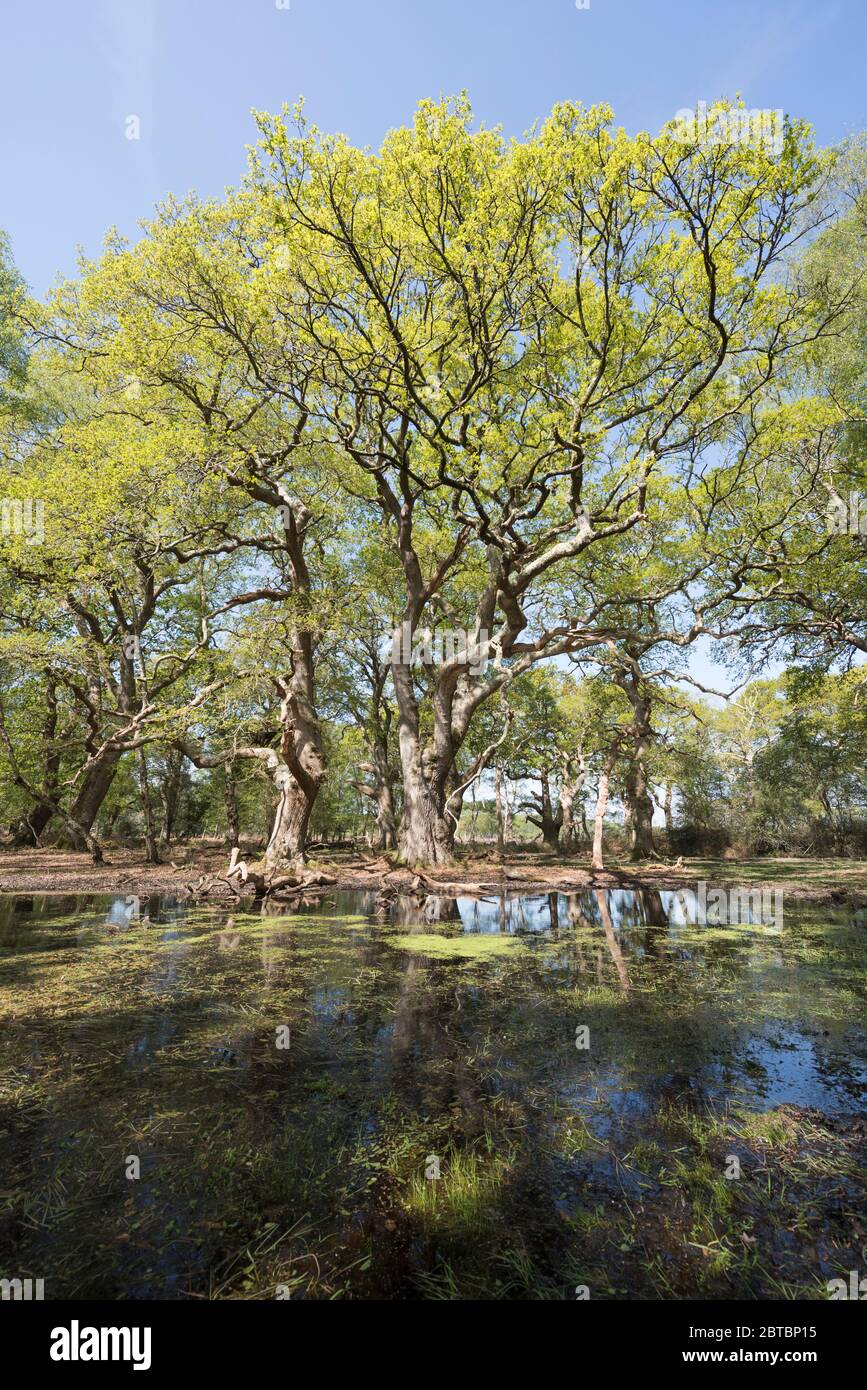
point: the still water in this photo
(507, 1098)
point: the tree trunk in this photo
(599, 819)
(170, 794)
(639, 802)
(666, 810)
(300, 770)
(27, 830)
(150, 837)
(233, 833)
(381, 791)
(30, 826)
(571, 791)
(566, 804)
(385, 817)
(95, 788)
(424, 836)
(501, 826)
(549, 819)
(508, 813)
(640, 809)
(288, 840)
(452, 807)
(551, 836)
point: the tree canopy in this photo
(389, 473)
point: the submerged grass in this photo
(304, 1170)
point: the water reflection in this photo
(436, 1025)
(625, 908)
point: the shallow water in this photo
(204, 1103)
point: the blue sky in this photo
(190, 70)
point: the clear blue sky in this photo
(74, 70)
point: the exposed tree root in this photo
(245, 881)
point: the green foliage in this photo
(583, 396)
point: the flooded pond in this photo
(497, 1098)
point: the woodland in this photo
(470, 492)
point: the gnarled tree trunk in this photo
(548, 817)
(299, 770)
(424, 836)
(94, 789)
(288, 840)
(639, 806)
(380, 791)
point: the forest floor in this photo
(524, 868)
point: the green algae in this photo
(305, 1168)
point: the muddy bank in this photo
(59, 871)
